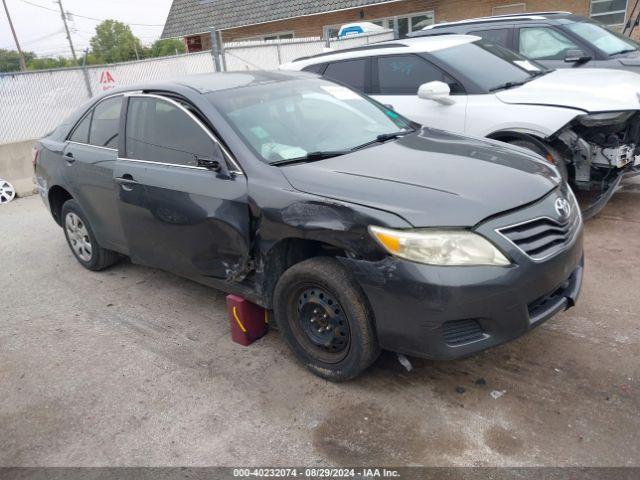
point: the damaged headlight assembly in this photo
(439, 247)
(604, 119)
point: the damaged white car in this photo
(585, 121)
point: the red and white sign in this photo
(107, 81)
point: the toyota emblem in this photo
(563, 207)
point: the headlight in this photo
(439, 247)
(602, 119)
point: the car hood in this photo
(431, 178)
(588, 89)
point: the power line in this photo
(88, 18)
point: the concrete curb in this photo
(16, 166)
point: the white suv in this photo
(585, 121)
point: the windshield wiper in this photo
(506, 86)
(384, 137)
(626, 50)
(311, 157)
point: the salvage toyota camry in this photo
(360, 230)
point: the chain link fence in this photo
(34, 103)
(268, 55)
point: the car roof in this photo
(213, 82)
(406, 45)
(498, 19)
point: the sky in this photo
(41, 31)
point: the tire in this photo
(542, 150)
(321, 289)
(82, 241)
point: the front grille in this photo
(543, 237)
(459, 332)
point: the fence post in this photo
(396, 29)
(279, 55)
(216, 50)
(327, 37)
(85, 73)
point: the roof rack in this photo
(371, 46)
(515, 16)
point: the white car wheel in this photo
(7, 192)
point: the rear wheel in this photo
(82, 241)
(325, 318)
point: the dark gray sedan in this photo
(359, 229)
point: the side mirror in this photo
(576, 56)
(216, 163)
(436, 91)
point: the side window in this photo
(351, 72)
(81, 132)
(158, 131)
(498, 36)
(403, 75)
(317, 68)
(105, 124)
(541, 43)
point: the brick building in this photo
(193, 20)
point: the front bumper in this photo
(450, 312)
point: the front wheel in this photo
(82, 241)
(325, 318)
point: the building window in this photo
(406, 23)
(509, 9)
(609, 12)
(194, 44)
(270, 36)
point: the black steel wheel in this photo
(325, 318)
(322, 324)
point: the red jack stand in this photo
(248, 321)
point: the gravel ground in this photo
(135, 367)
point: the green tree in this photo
(169, 46)
(10, 60)
(49, 63)
(115, 42)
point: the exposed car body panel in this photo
(419, 188)
(591, 90)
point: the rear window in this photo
(101, 125)
(105, 124)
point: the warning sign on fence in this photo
(107, 82)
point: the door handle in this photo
(69, 157)
(126, 181)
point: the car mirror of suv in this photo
(575, 55)
(436, 91)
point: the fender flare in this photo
(538, 139)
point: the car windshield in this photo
(490, 66)
(306, 118)
(608, 41)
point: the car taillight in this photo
(35, 155)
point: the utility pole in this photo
(23, 65)
(66, 27)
